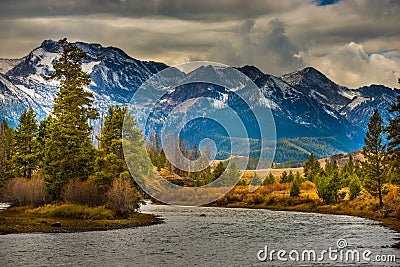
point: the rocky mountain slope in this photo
(311, 112)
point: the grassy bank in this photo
(67, 218)
(277, 197)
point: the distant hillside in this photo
(312, 113)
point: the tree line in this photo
(381, 164)
(59, 149)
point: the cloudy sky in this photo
(354, 42)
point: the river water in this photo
(193, 236)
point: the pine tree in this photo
(347, 171)
(43, 136)
(219, 170)
(354, 186)
(69, 151)
(393, 137)
(256, 180)
(374, 153)
(269, 179)
(290, 177)
(110, 162)
(295, 189)
(328, 187)
(6, 151)
(284, 177)
(311, 168)
(25, 158)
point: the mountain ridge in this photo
(305, 103)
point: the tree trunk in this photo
(380, 196)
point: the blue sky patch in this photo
(325, 2)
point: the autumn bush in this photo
(123, 198)
(82, 192)
(24, 192)
(307, 186)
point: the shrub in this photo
(84, 193)
(307, 186)
(74, 211)
(23, 192)
(122, 198)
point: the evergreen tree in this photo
(290, 177)
(328, 187)
(231, 174)
(295, 189)
(25, 158)
(331, 167)
(374, 153)
(43, 136)
(269, 179)
(311, 168)
(218, 171)
(298, 176)
(354, 186)
(347, 171)
(284, 177)
(6, 149)
(393, 137)
(256, 180)
(69, 151)
(110, 162)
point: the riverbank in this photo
(389, 222)
(269, 197)
(28, 220)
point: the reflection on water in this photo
(194, 236)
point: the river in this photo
(193, 236)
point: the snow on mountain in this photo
(315, 84)
(304, 103)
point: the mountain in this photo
(311, 112)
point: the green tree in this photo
(269, 179)
(25, 158)
(295, 189)
(347, 171)
(354, 186)
(290, 177)
(283, 177)
(328, 187)
(218, 171)
(256, 180)
(374, 153)
(311, 168)
(393, 137)
(298, 176)
(42, 137)
(69, 151)
(110, 161)
(286, 177)
(229, 176)
(6, 149)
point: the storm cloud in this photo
(354, 42)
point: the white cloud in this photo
(355, 42)
(351, 66)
